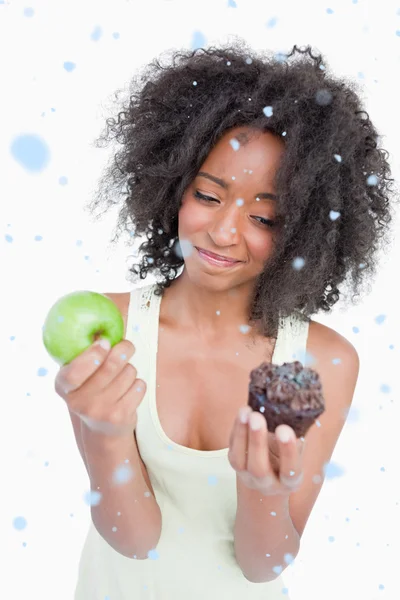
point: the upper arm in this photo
(122, 302)
(338, 383)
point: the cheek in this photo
(260, 245)
(192, 217)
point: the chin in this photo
(208, 281)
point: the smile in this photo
(215, 259)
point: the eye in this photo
(261, 220)
(201, 196)
(266, 222)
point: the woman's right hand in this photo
(100, 386)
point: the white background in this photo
(42, 476)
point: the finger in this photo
(290, 472)
(257, 459)
(89, 368)
(123, 417)
(119, 386)
(71, 376)
(238, 441)
(133, 397)
(115, 362)
(273, 454)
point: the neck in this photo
(212, 314)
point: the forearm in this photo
(127, 515)
(258, 533)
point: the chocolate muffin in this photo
(287, 394)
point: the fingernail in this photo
(284, 435)
(255, 421)
(104, 343)
(244, 415)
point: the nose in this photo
(225, 228)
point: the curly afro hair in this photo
(333, 185)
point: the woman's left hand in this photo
(262, 460)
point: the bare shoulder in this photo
(333, 353)
(337, 363)
(121, 300)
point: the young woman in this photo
(260, 188)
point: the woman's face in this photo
(233, 217)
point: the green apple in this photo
(76, 320)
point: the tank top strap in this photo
(140, 329)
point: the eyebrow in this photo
(225, 185)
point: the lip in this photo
(215, 259)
